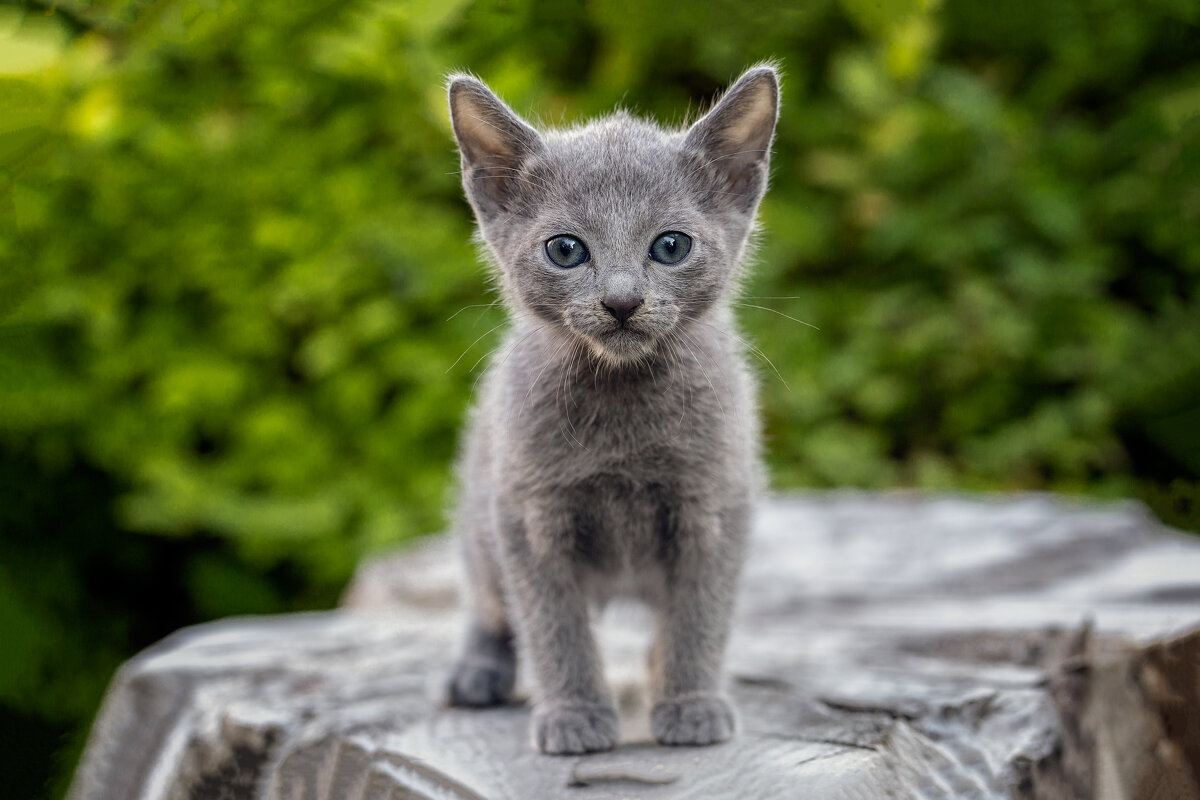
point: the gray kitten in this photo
(615, 447)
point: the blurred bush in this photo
(241, 316)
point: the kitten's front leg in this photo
(573, 710)
(692, 627)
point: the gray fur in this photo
(607, 458)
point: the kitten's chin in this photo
(621, 346)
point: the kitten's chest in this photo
(673, 428)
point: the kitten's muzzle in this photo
(622, 308)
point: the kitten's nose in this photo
(621, 307)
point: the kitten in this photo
(615, 446)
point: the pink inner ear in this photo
(740, 125)
(757, 112)
(734, 138)
(488, 132)
(477, 133)
(493, 141)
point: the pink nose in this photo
(622, 308)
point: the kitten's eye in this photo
(566, 251)
(671, 248)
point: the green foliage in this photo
(239, 305)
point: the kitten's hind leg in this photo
(485, 672)
(487, 667)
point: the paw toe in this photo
(575, 729)
(692, 720)
(476, 684)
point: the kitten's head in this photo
(618, 231)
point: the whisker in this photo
(472, 344)
(507, 355)
(749, 346)
(564, 376)
(553, 357)
(780, 313)
(481, 358)
(473, 305)
(672, 339)
(716, 395)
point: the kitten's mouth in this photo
(621, 343)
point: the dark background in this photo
(233, 246)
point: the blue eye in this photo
(566, 251)
(671, 247)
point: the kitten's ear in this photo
(733, 140)
(493, 141)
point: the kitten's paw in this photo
(693, 719)
(575, 729)
(477, 683)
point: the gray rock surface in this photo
(887, 646)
